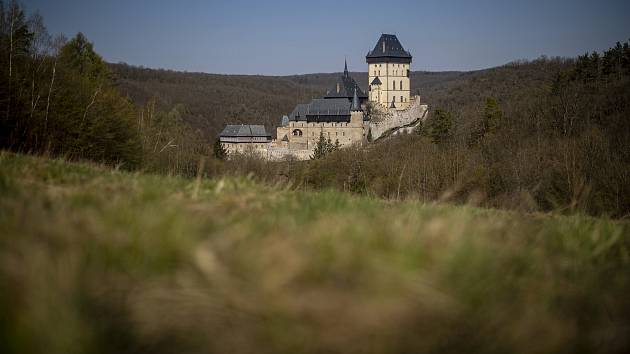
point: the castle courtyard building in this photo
(336, 119)
(245, 138)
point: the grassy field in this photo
(94, 260)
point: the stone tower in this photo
(388, 73)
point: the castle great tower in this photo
(388, 73)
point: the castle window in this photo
(401, 99)
(296, 132)
(394, 85)
(401, 84)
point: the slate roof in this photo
(388, 46)
(323, 110)
(244, 130)
(334, 107)
(356, 104)
(346, 86)
(299, 112)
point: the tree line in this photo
(59, 97)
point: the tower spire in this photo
(345, 67)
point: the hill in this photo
(93, 259)
(210, 101)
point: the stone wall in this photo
(393, 120)
(283, 153)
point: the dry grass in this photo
(98, 260)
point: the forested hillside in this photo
(212, 100)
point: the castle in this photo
(341, 115)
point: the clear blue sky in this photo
(292, 36)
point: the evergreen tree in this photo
(419, 129)
(324, 147)
(440, 126)
(492, 116)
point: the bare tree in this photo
(58, 43)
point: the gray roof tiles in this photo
(244, 130)
(388, 46)
(333, 106)
(346, 85)
(322, 109)
(356, 104)
(299, 112)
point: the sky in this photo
(288, 37)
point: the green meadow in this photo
(97, 260)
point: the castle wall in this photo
(394, 119)
(346, 133)
(246, 147)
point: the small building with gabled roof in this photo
(245, 137)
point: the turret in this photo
(356, 104)
(356, 113)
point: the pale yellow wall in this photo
(389, 73)
(245, 147)
(346, 133)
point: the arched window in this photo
(393, 85)
(401, 84)
(401, 99)
(296, 132)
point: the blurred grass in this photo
(94, 260)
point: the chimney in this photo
(338, 88)
(383, 46)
